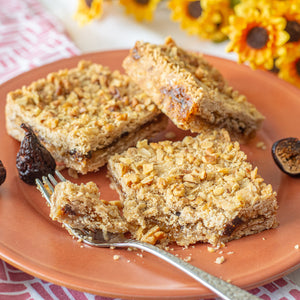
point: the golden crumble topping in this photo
(198, 189)
(88, 106)
(84, 115)
(189, 90)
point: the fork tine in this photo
(60, 176)
(48, 183)
(43, 190)
(53, 180)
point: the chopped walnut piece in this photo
(261, 145)
(219, 260)
(211, 249)
(153, 235)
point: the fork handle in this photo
(220, 287)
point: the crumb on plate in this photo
(219, 260)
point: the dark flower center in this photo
(89, 2)
(293, 29)
(275, 69)
(257, 37)
(194, 9)
(142, 2)
(297, 65)
(233, 3)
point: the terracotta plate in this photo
(31, 241)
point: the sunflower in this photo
(289, 66)
(205, 18)
(255, 34)
(141, 9)
(88, 10)
(187, 13)
(290, 10)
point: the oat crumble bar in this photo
(80, 207)
(191, 92)
(83, 115)
(197, 189)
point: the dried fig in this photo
(33, 159)
(286, 154)
(2, 173)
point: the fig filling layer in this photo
(79, 157)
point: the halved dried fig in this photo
(33, 159)
(2, 173)
(286, 154)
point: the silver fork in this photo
(98, 239)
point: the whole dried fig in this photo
(2, 173)
(286, 154)
(33, 159)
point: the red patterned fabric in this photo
(30, 37)
(15, 284)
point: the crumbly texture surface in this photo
(83, 115)
(191, 92)
(198, 189)
(80, 207)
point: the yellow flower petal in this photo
(88, 10)
(251, 14)
(142, 10)
(289, 66)
(210, 23)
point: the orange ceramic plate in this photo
(31, 241)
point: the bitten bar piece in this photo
(83, 115)
(191, 92)
(198, 189)
(80, 207)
